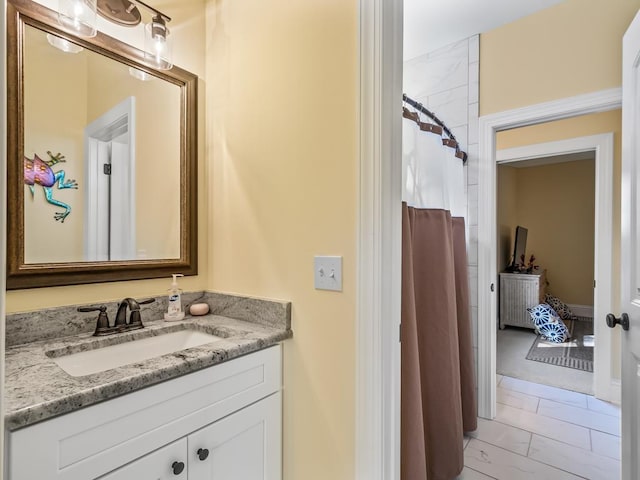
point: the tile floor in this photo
(546, 433)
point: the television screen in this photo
(520, 246)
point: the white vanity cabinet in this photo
(232, 410)
(243, 446)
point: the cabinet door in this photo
(166, 463)
(244, 446)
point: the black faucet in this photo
(135, 320)
(120, 324)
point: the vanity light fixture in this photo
(61, 44)
(79, 16)
(157, 43)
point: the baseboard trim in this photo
(581, 310)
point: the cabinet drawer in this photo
(98, 439)
(166, 463)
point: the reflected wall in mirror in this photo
(102, 178)
(90, 109)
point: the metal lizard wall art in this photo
(38, 171)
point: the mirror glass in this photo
(101, 156)
(103, 149)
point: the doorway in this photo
(490, 125)
(560, 190)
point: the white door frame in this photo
(105, 129)
(377, 408)
(602, 145)
(3, 223)
(489, 125)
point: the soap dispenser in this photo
(174, 312)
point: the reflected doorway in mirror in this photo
(110, 210)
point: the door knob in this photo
(612, 321)
(177, 467)
(203, 453)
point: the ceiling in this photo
(431, 24)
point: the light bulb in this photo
(158, 44)
(140, 75)
(79, 16)
(65, 45)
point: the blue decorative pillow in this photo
(548, 323)
(554, 332)
(542, 314)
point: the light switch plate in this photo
(328, 273)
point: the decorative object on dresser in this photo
(530, 267)
(519, 291)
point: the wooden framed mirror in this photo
(102, 158)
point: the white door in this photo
(242, 446)
(110, 200)
(630, 254)
(122, 232)
(166, 463)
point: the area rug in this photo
(576, 353)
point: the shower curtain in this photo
(438, 379)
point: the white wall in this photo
(446, 81)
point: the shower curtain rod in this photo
(453, 142)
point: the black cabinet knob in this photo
(177, 467)
(623, 321)
(203, 453)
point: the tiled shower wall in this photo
(447, 82)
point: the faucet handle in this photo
(101, 308)
(102, 325)
(135, 319)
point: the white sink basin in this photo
(112, 356)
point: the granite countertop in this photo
(36, 388)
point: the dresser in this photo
(519, 291)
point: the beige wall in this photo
(507, 215)
(566, 50)
(157, 137)
(282, 132)
(47, 112)
(556, 203)
(188, 28)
